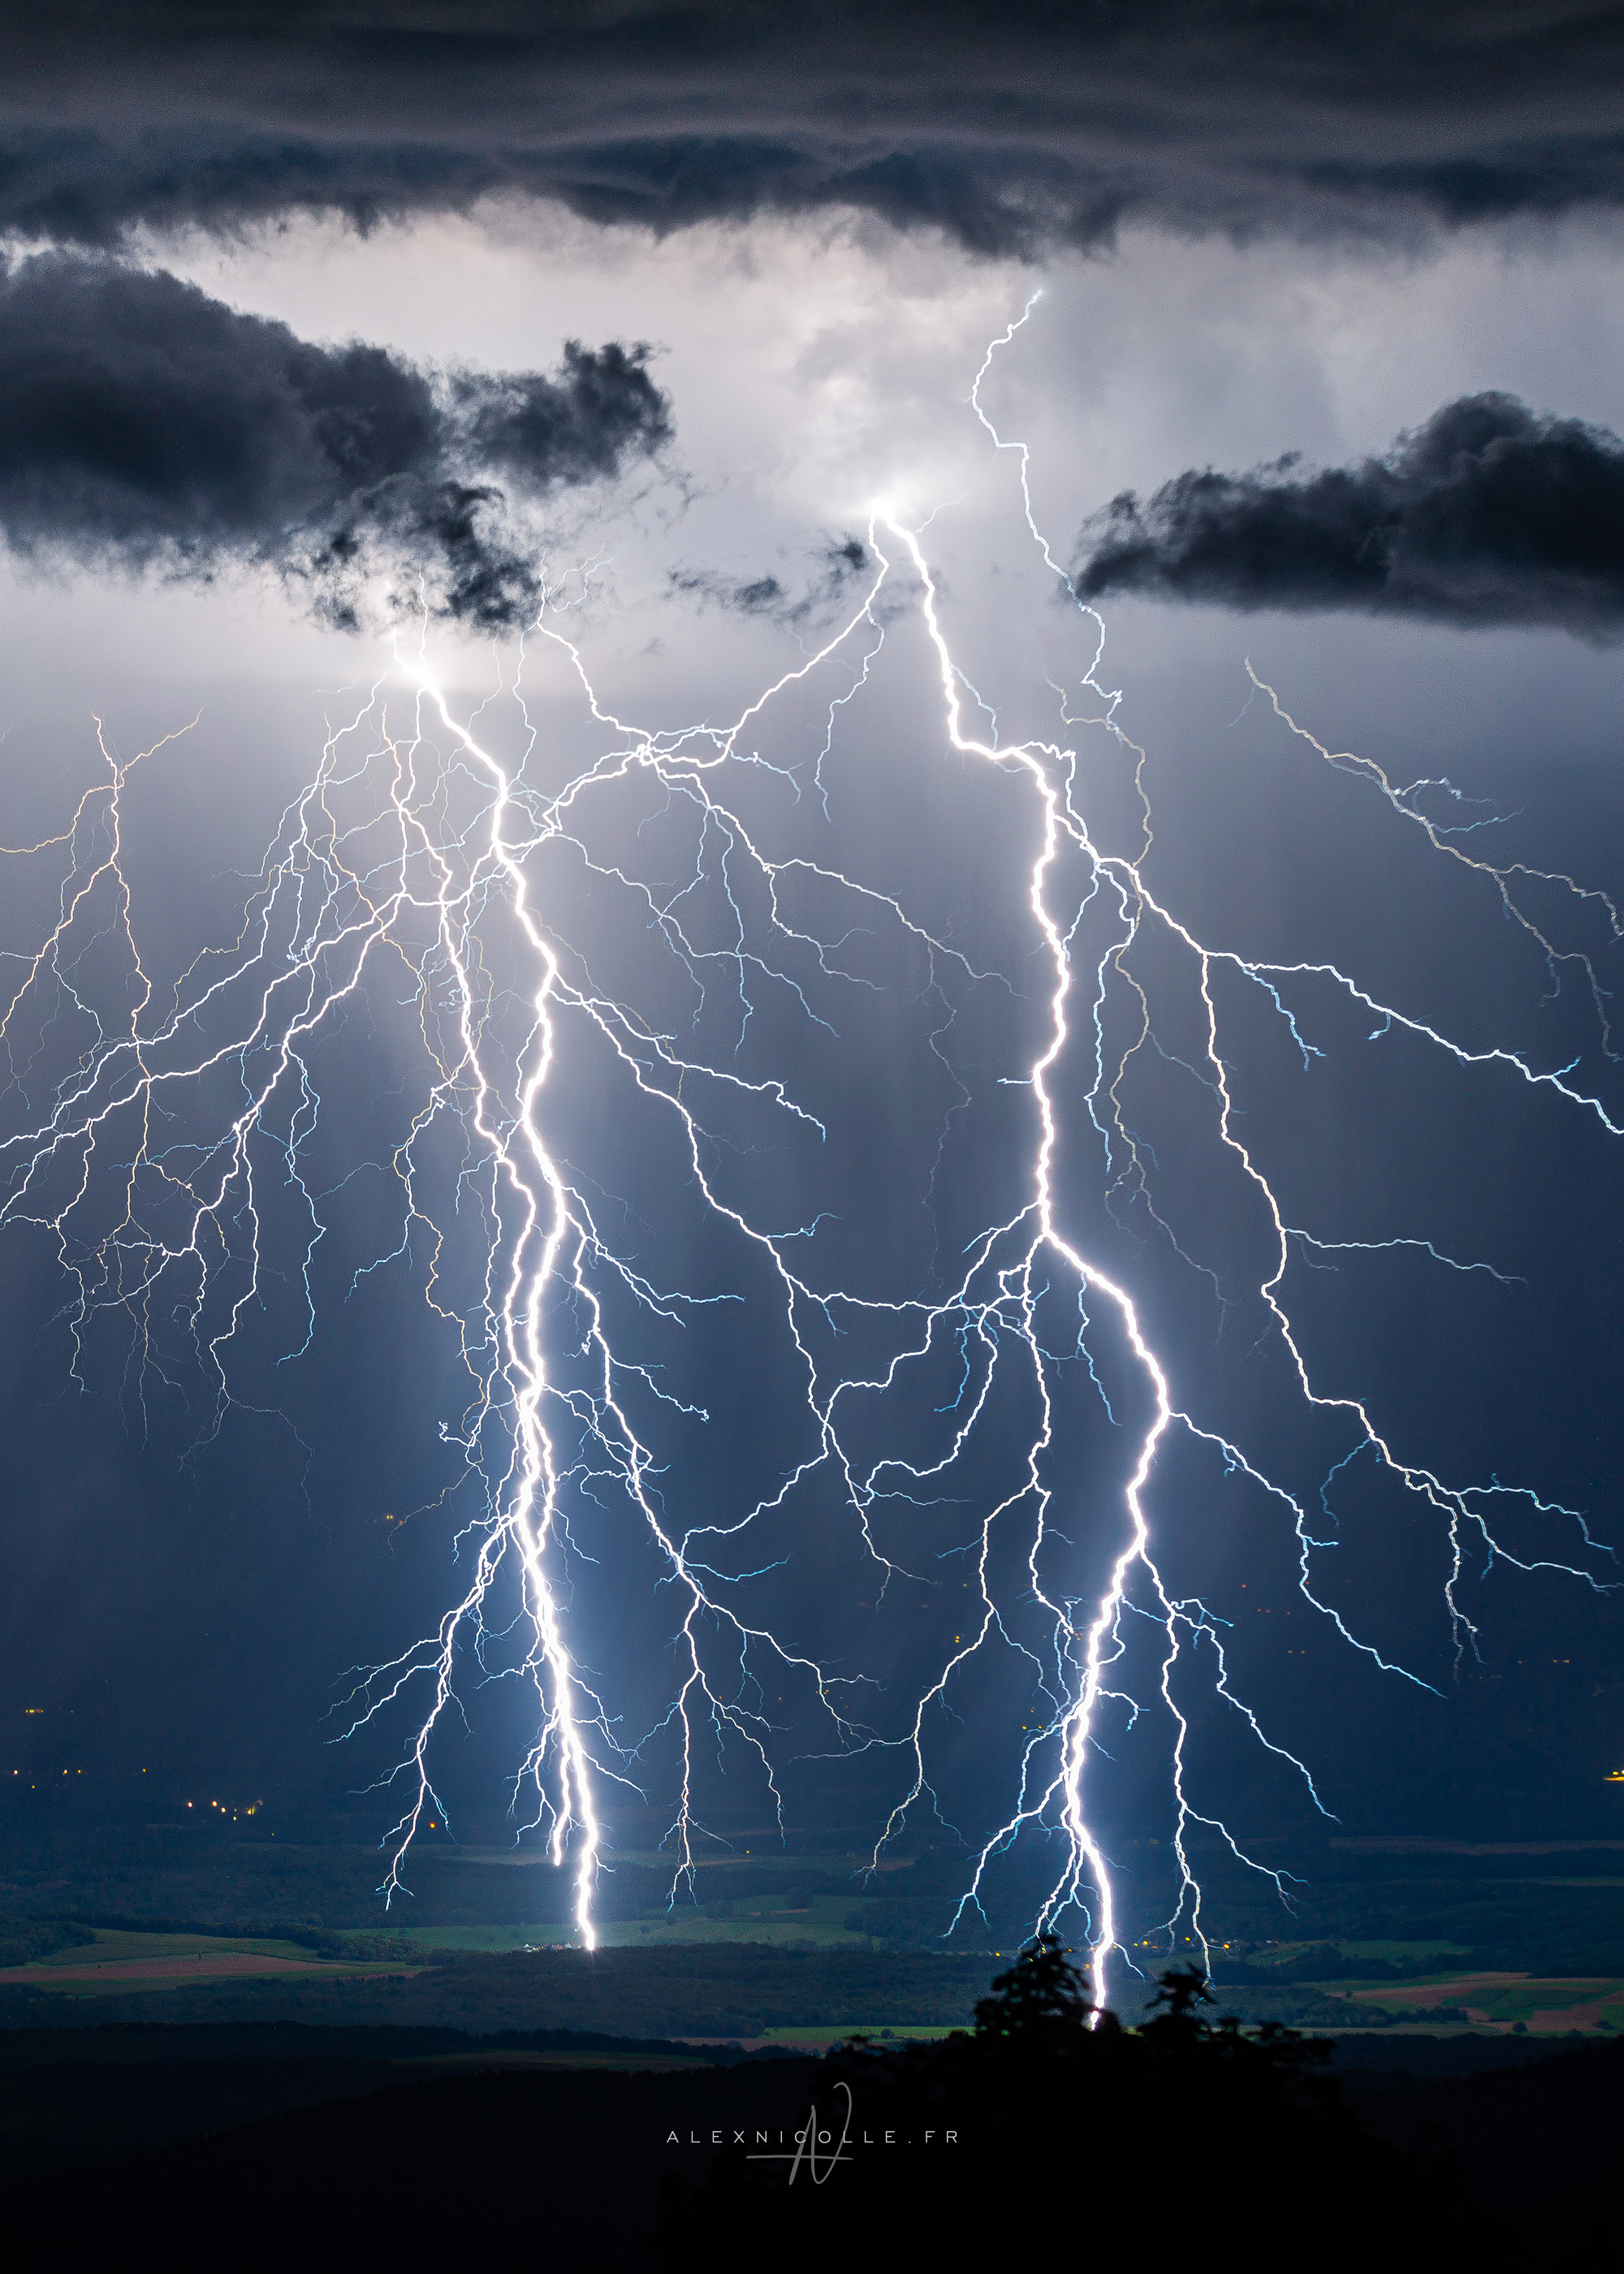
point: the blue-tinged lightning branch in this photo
(738, 1483)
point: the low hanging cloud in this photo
(766, 596)
(1490, 514)
(144, 423)
(1010, 125)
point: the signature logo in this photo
(813, 2146)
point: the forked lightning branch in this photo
(168, 1141)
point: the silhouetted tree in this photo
(1043, 1998)
(1048, 2122)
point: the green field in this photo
(759, 1941)
(782, 1930)
(98, 1965)
(112, 1944)
(1397, 1953)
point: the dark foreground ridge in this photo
(1049, 2121)
(1039, 2126)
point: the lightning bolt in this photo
(173, 1147)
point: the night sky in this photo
(344, 352)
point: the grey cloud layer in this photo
(1010, 125)
(143, 421)
(766, 596)
(1488, 514)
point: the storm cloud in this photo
(1489, 514)
(143, 422)
(1011, 127)
(766, 596)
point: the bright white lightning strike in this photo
(170, 1164)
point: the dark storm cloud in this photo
(767, 596)
(1010, 125)
(1489, 514)
(142, 421)
(744, 596)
